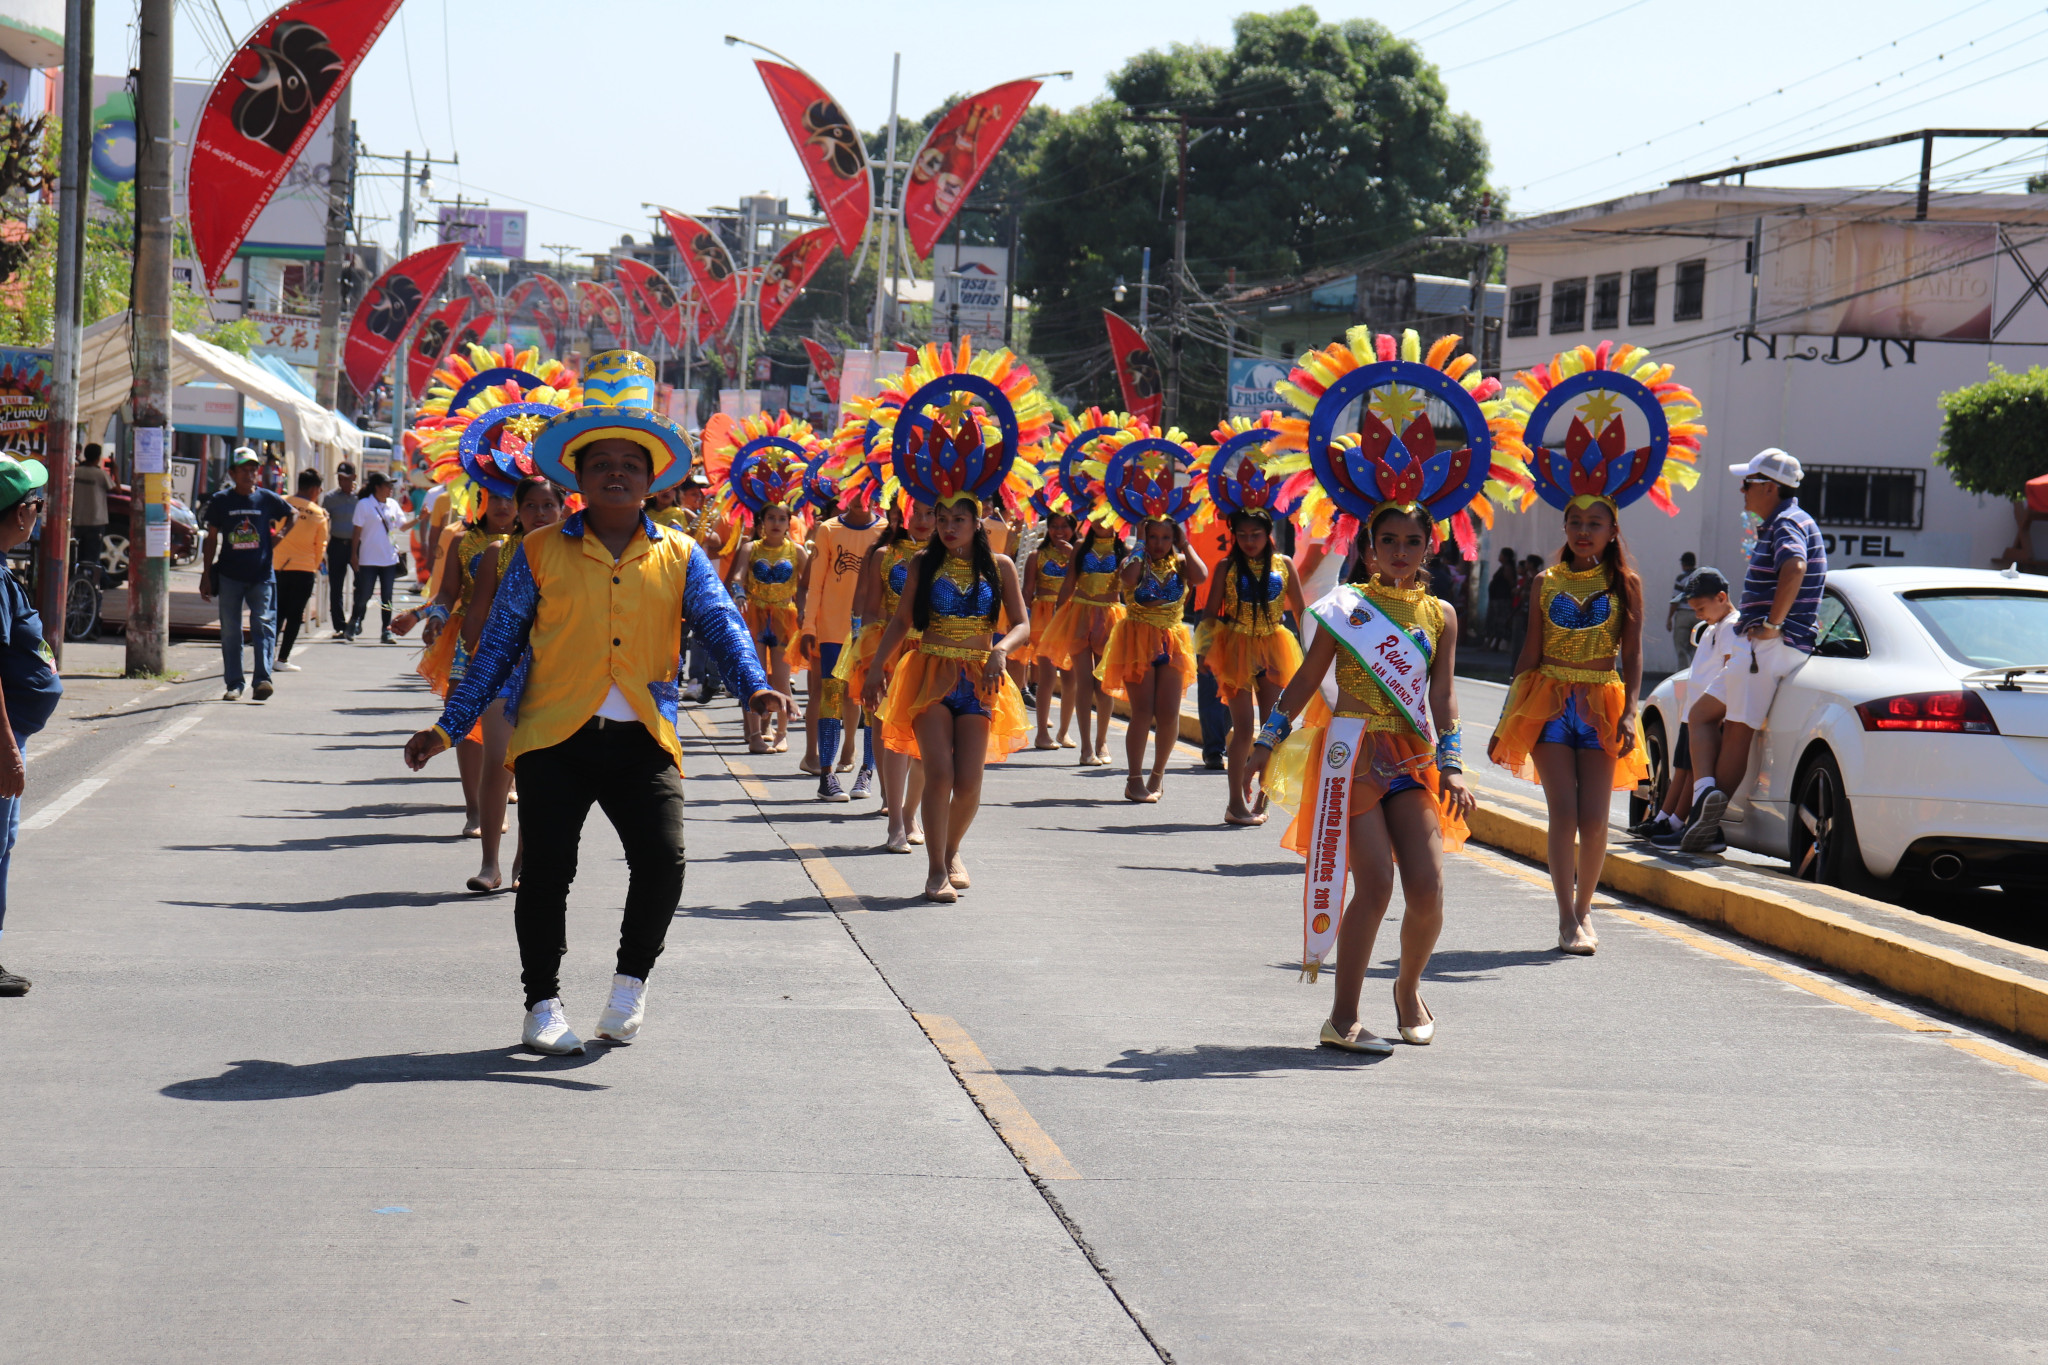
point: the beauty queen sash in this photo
(1390, 656)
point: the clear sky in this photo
(579, 112)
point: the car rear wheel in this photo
(1649, 797)
(113, 557)
(1824, 847)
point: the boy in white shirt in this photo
(1713, 644)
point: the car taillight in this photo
(1950, 713)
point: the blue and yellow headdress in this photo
(1084, 447)
(482, 412)
(618, 404)
(1149, 478)
(969, 427)
(1596, 463)
(761, 461)
(1249, 469)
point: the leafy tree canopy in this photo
(1994, 435)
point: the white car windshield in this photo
(1986, 629)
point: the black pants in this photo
(379, 578)
(338, 548)
(294, 591)
(634, 781)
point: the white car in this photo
(1913, 744)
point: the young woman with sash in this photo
(1045, 573)
(951, 704)
(1150, 659)
(1622, 431)
(1089, 603)
(1377, 779)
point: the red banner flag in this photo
(652, 298)
(388, 308)
(480, 290)
(834, 156)
(825, 368)
(710, 265)
(431, 343)
(790, 271)
(558, 306)
(1136, 370)
(953, 156)
(262, 111)
(602, 305)
(473, 333)
(516, 302)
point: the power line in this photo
(1547, 38)
(1432, 37)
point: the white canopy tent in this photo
(314, 438)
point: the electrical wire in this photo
(1546, 38)
(412, 89)
(1432, 37)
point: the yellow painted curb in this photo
(1955, 981)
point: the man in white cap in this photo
(1775, 633)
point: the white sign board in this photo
(983, 285)
(861, 377)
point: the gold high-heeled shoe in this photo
(1424, 1033)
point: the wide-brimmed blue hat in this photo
(618, 404)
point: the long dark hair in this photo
(1621, 573)
(1238, 564)
(1085, 532)
(934, 558)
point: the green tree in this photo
(1994, 435)
(1342, 143)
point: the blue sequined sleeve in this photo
(717, 622)
(498, 648)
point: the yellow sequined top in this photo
(1413, 610)
(894, 568)
(1244, 617)
(1096, 584)
(1053, 564)
(1581, 622)
(467, 551)
(1159, 597)
(963, 612)
(771, 574)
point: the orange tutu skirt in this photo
(921, 681)
(1134, 646)
(1538, 697)
(437, 658)
(1071, 631)
(857, 660)
(1236, 658)
(1042, 613)
(779, 624)
(1389, 756)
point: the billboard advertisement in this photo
(1253, 381)
(24, 399)
(486, 232)
(984, 290)
(1922, 281)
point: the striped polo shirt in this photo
(1789, 534)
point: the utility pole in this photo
(340, 211)
(61, 428)
(1181, 123)
(885, 223)
(149, 565)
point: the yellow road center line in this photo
(1825, 990)
(1006, 1113)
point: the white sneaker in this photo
(289, 667)
(232, 694)
(624, 1011)
(547, 1030)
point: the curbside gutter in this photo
(1983, 991)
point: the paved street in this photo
(263, 1103)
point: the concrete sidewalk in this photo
(263, 1105)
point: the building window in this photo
(1856, 495)
(1606, 301)
(1525, 310)
(1642, 297)
(1568, 305)
(1690, 305)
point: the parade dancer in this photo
(1089, 606)
(1150, 657)
(598, 600)
(881, 587)
(956, 443)
(839, 547)
(1247, 648)
(1045, 573)
(765, 480)
(1569, 720)
(1377, 780)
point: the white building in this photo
(1823, 322)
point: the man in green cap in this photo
(243, 523)
(29, 687)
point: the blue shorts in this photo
(828, 658)
(1570, 729)
(1403, 783)
(963, 700)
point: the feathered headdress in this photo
(481, 414)
(1393, 460)
(1247, 467)
(1149, 478)
(1080, 456)
(1596, 462)
(759, 462)
(968, 427)
(821, 490)
(859, 458)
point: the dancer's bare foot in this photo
(956, 873)
(1242, 817)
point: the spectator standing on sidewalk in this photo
(90, 484)
(29, 686)
(340, 506)
(242, 523)
(297, 564)
(379, 522)
(1775, 633)
(1500, 600)
(1678, 617)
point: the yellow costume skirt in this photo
(921, 681)
(1135, 646)
(1042, 612)
(1539, 697)
(1072, 630)
(439, 657)
(777, 625)
(858, 659)
(1236, 658)
(1395, 760)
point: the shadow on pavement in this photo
(1281, 868)
(261, 1080)
(1197, 827)
(1451, 964)
(445, 776)
(1208, 1062)
(361, 900)
(799, 907)
(390, 810)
